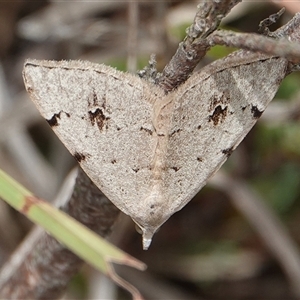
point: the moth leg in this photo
(263, 26)
(150, 72)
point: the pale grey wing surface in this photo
(211, 115)
(151, 154)
(104, 118)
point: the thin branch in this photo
(195, 45)
(201, 36)
(284, 47)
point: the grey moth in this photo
(148, 152)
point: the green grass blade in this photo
(75, 236)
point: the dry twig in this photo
(266, 223)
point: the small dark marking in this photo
(218, 115)
(29, 89)
(113, 161)
(160, 134)
(175, 168)
(200, 159)
(118, 128)
(220, 98)
(226, 96)
(175, 131)
(199, 127)
(95, 98)
(244, 107)
(228, 151)
(136, 170)
(54, 120)
(79, 156)
(99, 72)
(149, 131)
(98, 117)
(278, 80)
(104, 102)
(256, 112)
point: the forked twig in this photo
(194, 46)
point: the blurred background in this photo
(239, 237)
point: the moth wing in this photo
(211, 115)
(104, 118)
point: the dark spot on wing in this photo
(175, 131)
(29, 89)
(80, 156)
(113, 161)
(218, 115)
(98, 117)
(152, 208)
(149, 131)
(54, 120)
(200, 159)
(219, 98)
(256, 112)
(175, 168)
(244, 107)
(136, 170)
(228, 151)
(95, 98)
(199, 127)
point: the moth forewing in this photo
(212, 114)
